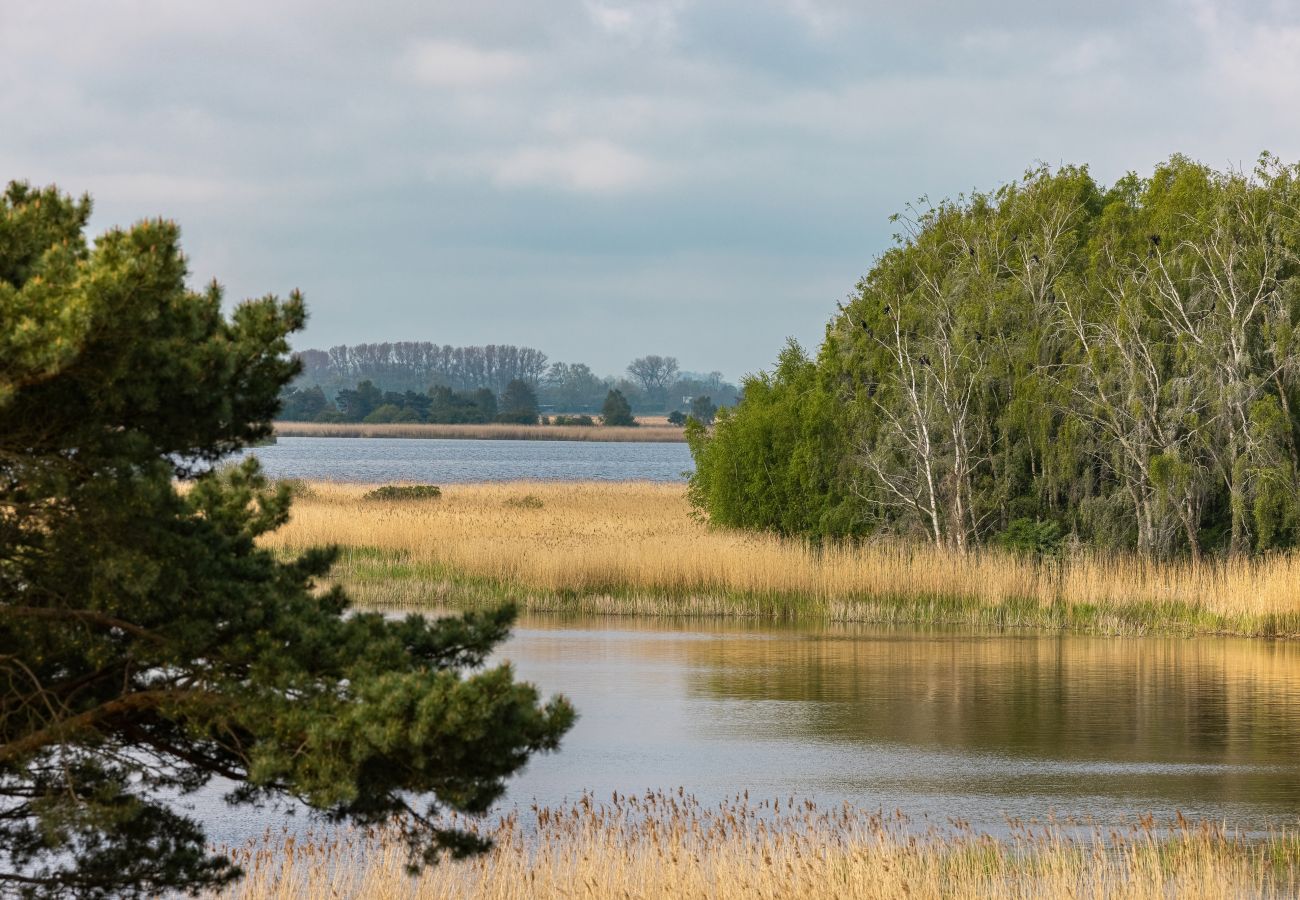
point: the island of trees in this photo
(1055, 361)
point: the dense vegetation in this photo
(1056, 359)
(149, 642)
(651, 383)
(441, 405)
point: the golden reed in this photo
(669, 845)
(640, 548)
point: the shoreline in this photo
(636, 549)
(655, 434)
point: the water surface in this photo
(937, 723)
(450, 461)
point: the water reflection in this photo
(939, 723)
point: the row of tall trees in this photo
(1117, 360)
(415, 365)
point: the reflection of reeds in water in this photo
(658, 433)
(668, 845)
(636, 548)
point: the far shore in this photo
(656, 433)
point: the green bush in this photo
(405, 492)
(1032, 536)
(574, 420)
(527, 501)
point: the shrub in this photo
(405, 492)
(527, 501)
(574, 420)
(677, 417)
(1032, 537)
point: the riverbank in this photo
(637, 548)
(655, 433)
(668, 845)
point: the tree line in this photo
(442, 405)
(1055, 360)
(650, 384)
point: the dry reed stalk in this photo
(668, 845)
(636, 548)
(489, 431)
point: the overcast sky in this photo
(603, 180)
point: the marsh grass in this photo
(637, 548)
(490, 431)
(669, 845)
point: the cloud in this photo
(440, 63)
(592, 166)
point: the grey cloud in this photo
(692, 178)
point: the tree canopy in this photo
(147, 643)
(1118, 361)
(616, 410)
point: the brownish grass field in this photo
(654, 429)
(638, 548)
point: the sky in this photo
(604, 180)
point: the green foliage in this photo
(677, 417)
(1031, 536)
(703, 409)
(527, 501)
(616, 410)
(1116, 359)
(518, 403)
(404, 492)
(574, 420)
(771, 463)
(148, 643)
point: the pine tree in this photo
(147, 643)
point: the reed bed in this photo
(637, 548)
(669, 845)
(661, 433)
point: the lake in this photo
(936, 723)
(451, 461)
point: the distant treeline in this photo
(417, 365)
(651, 384)
(441, 405)
(444, 406)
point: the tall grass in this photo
(665, 845)
(638, 548)
(490, 431)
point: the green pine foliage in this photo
(1117, 361)
(147, 643)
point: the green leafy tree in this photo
(147, 643)
(1117, 360)
(704, 409)
(302, 404)
(518, 403)
(616, 410)
(356, 404)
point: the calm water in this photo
(450, 461)
(938, 724)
